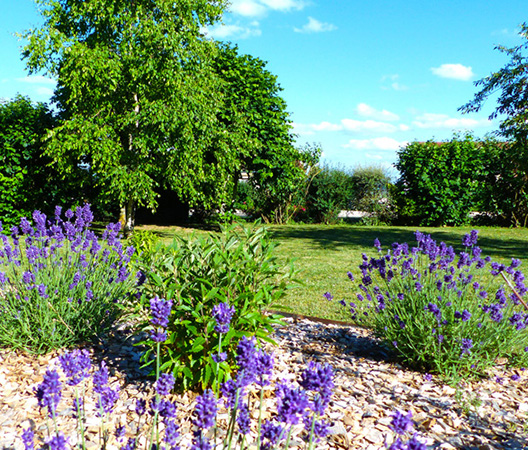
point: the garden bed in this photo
(370, 385)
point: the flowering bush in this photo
(300, 406)
(237, 268)
(59, 284)
(446, 313)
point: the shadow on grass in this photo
(494, 242)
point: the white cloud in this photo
(431, 120)
(365, 110)
(247, 8)
(284, 5)
(396, 85)
(314, 26)
(399, 87)
(257, 8)
(37, 79)
(381, 143)
(224, 31)
(454, 71)
(327, 126)
(372, 126)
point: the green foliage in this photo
(236, 267)
(330, 191)
(144, 242)
(138, 97)
(439, 181)
(442, 313)
(59, 285)
(512, 82)
(25, 181)
(505, 183)
(373, 195)
(256, 112)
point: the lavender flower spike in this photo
(223, 314)
(49, 392)
(205, 410)
(160, 310)
(401, 423)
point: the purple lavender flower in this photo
(171, 433)
(243, 419)
(428, 377)
(130, 445)
(120, 432)
(377, 244)
(165, 384)
(158, 336)
(515, 377)
(398, 445)
(401, 424)
(75, 366)
(167, 409)
(58, 442)
(28, 437)
(28, 277)
(466, 345)
(291, 403)
(415, 444)
(223, 314)
(271, 434)
(265, 362)
(49, 392)
(160, 310)
(328, 296)
(100, 378)
(205, 410)
(246, 361)
(200, 442)
(220, 357)
(107, 399)
(319, 378)
(141, 406)
(350, 276)
(470, 239)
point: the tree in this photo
(512, 81)
(26, 181)
(255, 112)
(509, 173)
(138, 97)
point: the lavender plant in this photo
(445, 313)
(60, 284)
(300, 407)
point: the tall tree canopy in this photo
(255, 111)
(139, 100)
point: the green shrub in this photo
(237, 267)
(331, 191)
(442, 313)
(440, 182)
(372, 193)
(59, 284)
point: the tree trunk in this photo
(127, 217)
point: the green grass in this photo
(325, 253)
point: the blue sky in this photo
(360, 78)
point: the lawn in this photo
(324, 254)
